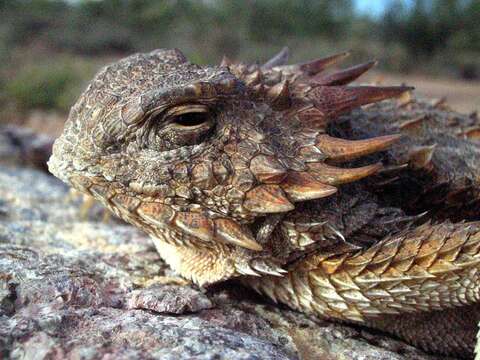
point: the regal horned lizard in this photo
(267, 173)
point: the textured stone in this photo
(169, 299)
(73, 287)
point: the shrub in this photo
(52, 85)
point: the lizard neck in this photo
(201, 265)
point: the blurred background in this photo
(49, 49)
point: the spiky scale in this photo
(332, 175)
(345, 76)
(267, 169)
(301, 186)
(267, 199)
(279, 95)
(420, 157)
(442, 266)
(230, 232)
(265, 267)
(254, 78)
(335, 100)
(344, 281)
(245, 269)
(345, 150)
(315, 66)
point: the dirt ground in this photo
(463, 96)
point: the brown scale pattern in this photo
(235, 171)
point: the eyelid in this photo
(170, 114)
(166, 115)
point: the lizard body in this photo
(245, 171)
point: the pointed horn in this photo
(301, 186)
(267, 199)
(334, 176)
(229, 231)
(335, 100)
(344, 77)
(279, 94)
(315, 66)
(279, 59)
(344, 150)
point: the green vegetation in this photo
(52, 85)
(445, 32)
(48, 48)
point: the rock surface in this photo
(24, 146)
(81, 288)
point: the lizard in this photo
(338, 200)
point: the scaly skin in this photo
(238, 171)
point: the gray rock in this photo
(24, 146)
(169, 299)
(79, 288)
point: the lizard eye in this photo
(189, 118)
(182, 125)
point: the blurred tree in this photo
(26, 21)
(269, 19)
(429, 25)
(443, 33)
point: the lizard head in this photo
(208, 159)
